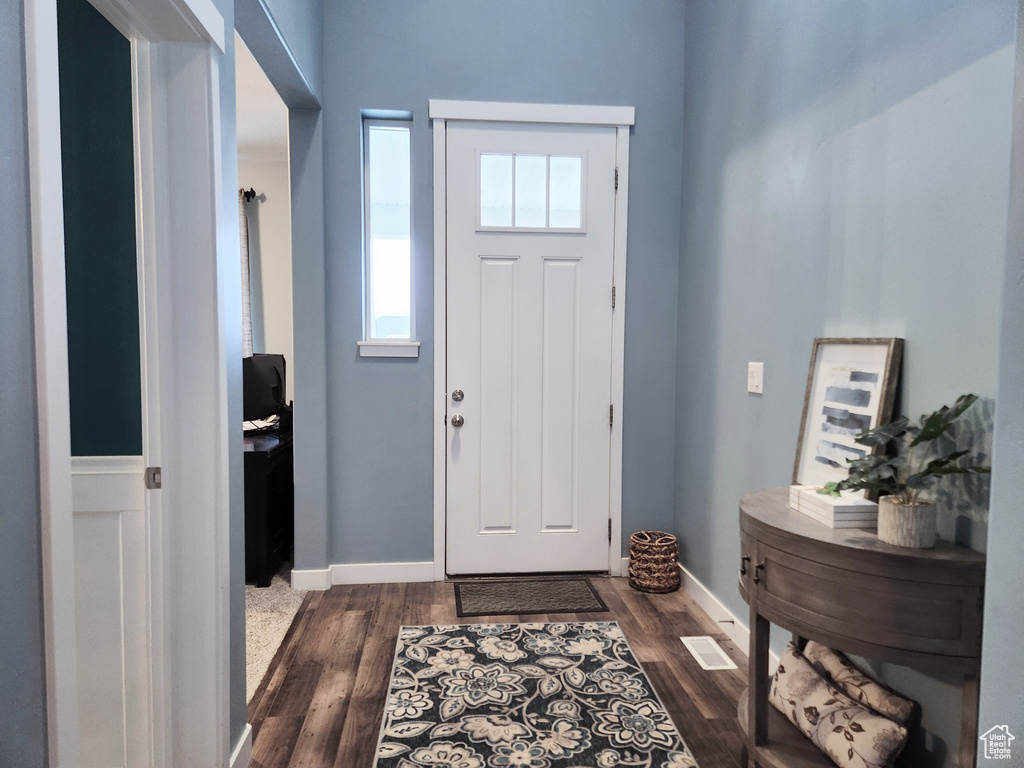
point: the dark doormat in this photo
(497, 598)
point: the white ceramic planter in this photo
(906, 525)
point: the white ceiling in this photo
(262, 116)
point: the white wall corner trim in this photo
(242, 754)
(316, 579)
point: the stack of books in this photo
(847, 510)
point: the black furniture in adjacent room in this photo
(269, 504)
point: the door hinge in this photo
(153, 478)
(611, 415)
(613, 297)
(616, 179)
(609, 530)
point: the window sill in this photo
(384, 348)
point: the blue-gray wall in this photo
(389, 54)
(22, 655)
(1002, 674)
(845, 173)
(300, 24)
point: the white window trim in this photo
(388, 348)
(368, 346)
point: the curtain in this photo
(243, 226)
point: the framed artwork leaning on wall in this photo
(851, 387)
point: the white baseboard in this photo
(242, 755)
(362, 573)
(381, 573)
(736, 630)
(317, 580)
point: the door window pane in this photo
(566, 192)
(496, 190)
(531, 190)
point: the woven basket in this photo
(653, 562)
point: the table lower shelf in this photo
(786, 747)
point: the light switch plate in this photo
(755, 378)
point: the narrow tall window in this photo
(387, 243)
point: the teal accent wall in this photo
(845, 173)
(23, 737)
(99, 233)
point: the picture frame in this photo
(851, 386)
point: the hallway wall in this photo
(845, 173)
(388, 54)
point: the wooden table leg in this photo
(758, 661)
(969, 721)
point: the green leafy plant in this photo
(913, 467)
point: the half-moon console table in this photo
(849, 591)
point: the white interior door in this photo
(530, 240)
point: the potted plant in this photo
(904, 518)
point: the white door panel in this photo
(112, 587)
(529, 344)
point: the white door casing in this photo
(159, 572)
(524, 326)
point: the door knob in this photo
(457, 420)
(457, 395)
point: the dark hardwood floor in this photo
(321, 701)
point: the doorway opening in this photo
(265, 217)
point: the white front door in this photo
(530, 240)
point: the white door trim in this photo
(509, 112)
(185, 218)
(52, 391)
(440, 112)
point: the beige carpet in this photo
(268, 614)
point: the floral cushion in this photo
(848, 732)
(857, 685)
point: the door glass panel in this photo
(566, 192)
(531, 190)
(495, 190)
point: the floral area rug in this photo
(568, 695)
